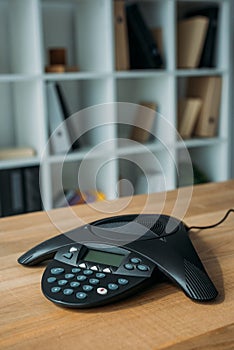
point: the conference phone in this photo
(112, 258)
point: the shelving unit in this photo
(86, 28)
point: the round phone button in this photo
(135, 260)
(62, 282)
(143, 267)
(87, 288)
(102, 291)
(113, 286)
(68, 291)
(81, 278)
(51, 279)
(76, 270)
(87, 272)
(129, 266)
(57, 270)
(94, 281)
(75, 284)
(81, 295)
(122, 281)
(55, 289)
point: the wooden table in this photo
(161, 317)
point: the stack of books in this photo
(198, 113)
(196, 38)
(136, 45)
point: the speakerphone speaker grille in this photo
(155, 226)
(198, 283)
(149, 222)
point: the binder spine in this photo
(32, 189)
(141, 41)
(11, 192)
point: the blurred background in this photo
(155, 58)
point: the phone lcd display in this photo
(105, 258)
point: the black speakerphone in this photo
(110, 259)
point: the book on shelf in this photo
(60, 139)
(71, 123)
(122, 61)
(208, 89)
(143, 49)
(191, 34)
(11, 192)
(16, 153)
(207, 59)
(188, 111)
(19, 191)
(144, 121)
(158, 37)
(32, 194)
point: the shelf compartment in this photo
(85, 175)
(74, 19)
(184, 8)
(136, 90)
(146, 172)
(210, 160)
(133, 92)
(186, 90)
(84, 93)
(21, 124)
(88, 105)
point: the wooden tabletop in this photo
(161, 317)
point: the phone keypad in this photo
(92, 282)
(87, 284)
(78, 283)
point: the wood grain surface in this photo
(161, 317)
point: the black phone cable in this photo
(214, 225)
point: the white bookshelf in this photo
(85, 27)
